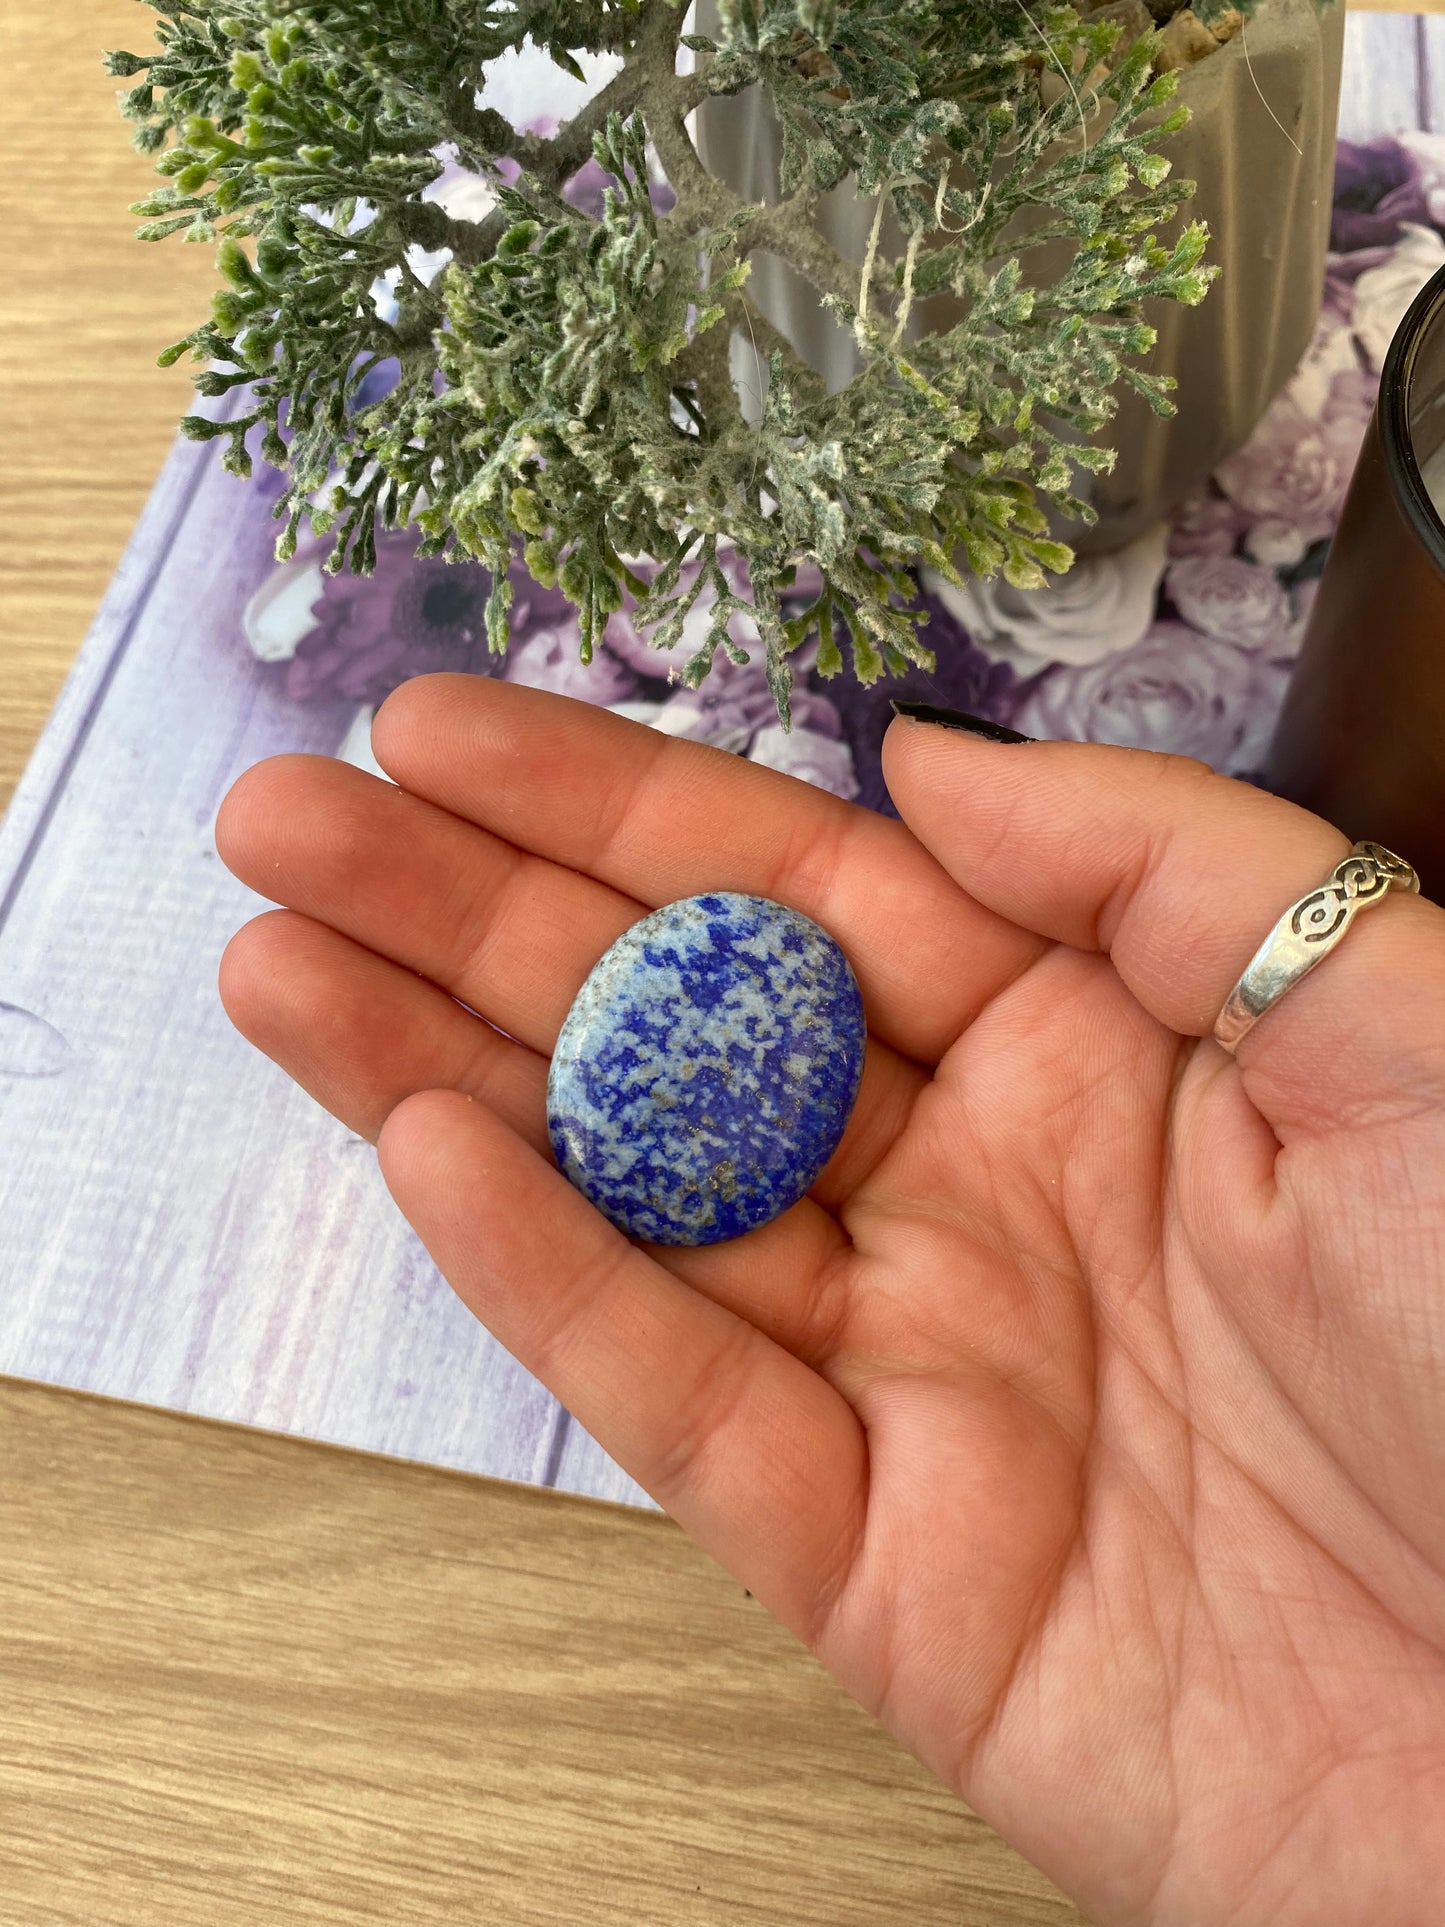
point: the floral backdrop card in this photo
(181, 1225)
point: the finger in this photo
(510, 935)
(1179, 875)
(755, 1455)
(498, 929)
(361, 1035)
(658, 818)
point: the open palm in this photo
(1088, 1416)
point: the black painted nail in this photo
(960, 720)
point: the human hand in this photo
(1088, 1417)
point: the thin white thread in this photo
(762, 396)
(1068, 79)
(1244, 42)
(870, 259)
(905, 307)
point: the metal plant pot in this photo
(1261, 146)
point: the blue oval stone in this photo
(707, 1069)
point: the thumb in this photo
(1178, 875)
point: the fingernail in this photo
(960, 720)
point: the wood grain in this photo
(85, 415)
(245, 1679)
(1391, 74)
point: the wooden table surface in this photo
(245, 1679)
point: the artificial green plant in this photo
(564, 383)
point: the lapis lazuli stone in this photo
(707, 1069)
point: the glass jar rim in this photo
(1397, 381)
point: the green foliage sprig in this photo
(564, 384)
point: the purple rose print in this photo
(282, 610)
(631, 645)
(1342, 273)
(965, 678)
(820, 760)
(1383, 294)
(733, 708)
(1302, 597)
(729, 709)
(745, 724)
(1291, 477)
(1377, 186)
(1230, 597)
(1349, 406)
(838, 725)
(1104, 603)
(549, 658)
(370, 633)
(703, 718)
(1206, 523)
(1176, 690)
(734, 703)
(1427, 151)
(358, 637)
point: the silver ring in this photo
(1308, 931)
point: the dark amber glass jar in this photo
(1361, 737)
